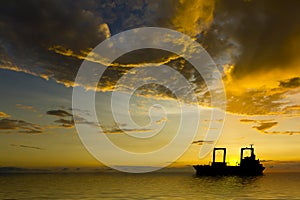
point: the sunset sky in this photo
(254, 43)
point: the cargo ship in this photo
(248, 166)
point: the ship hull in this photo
(208, 170)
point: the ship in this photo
(248, 166)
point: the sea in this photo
(164, 185)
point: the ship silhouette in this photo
(248, 166)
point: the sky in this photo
(254, 44)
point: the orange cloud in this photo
(192, 16)
(104, 29)
(4, 115)
(25, 107)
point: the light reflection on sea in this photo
(147, 186)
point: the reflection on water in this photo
(147, 186)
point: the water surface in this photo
(147, 186)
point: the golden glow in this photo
(192, 20)
(4, 115)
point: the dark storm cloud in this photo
(50, 38)
(19, 125)
(256, 42)
(29, 28)
(33, 33)
(41, 24)
(259, 35)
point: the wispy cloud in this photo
(62, 114)
(125, 130)
(66, 119)
(283, 132)
(248, 120)
(20, 125)
(201, 142)
(26, 107)
(263, 126)
(162, 120)
(121, 129)
(294, 109)
(59, 113)
(27, 146)
(65, 122)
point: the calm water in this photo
(147, 186)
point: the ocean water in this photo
(147, 186)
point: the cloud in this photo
(57, 56)
(251, 41)
(103, 28)
(59, 35)
(254, 42)
(247, 120)
(62, 114)
(264, 100)
(19, 125)
(162, 120)
(260, 125)
(4, 115)
(126, 130)
(59, 113)
(255, 101)
(26, 146)
(25, 107)
(294, 109)
(66, 119)
(264, 32)
(283, 132)
(37, 26)
(121, 129)
(256, 121)
(79, 26)
(201, 142)
(65, 123)
(265, 125)
(187, 16)
(43, 21)
(290, 83)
